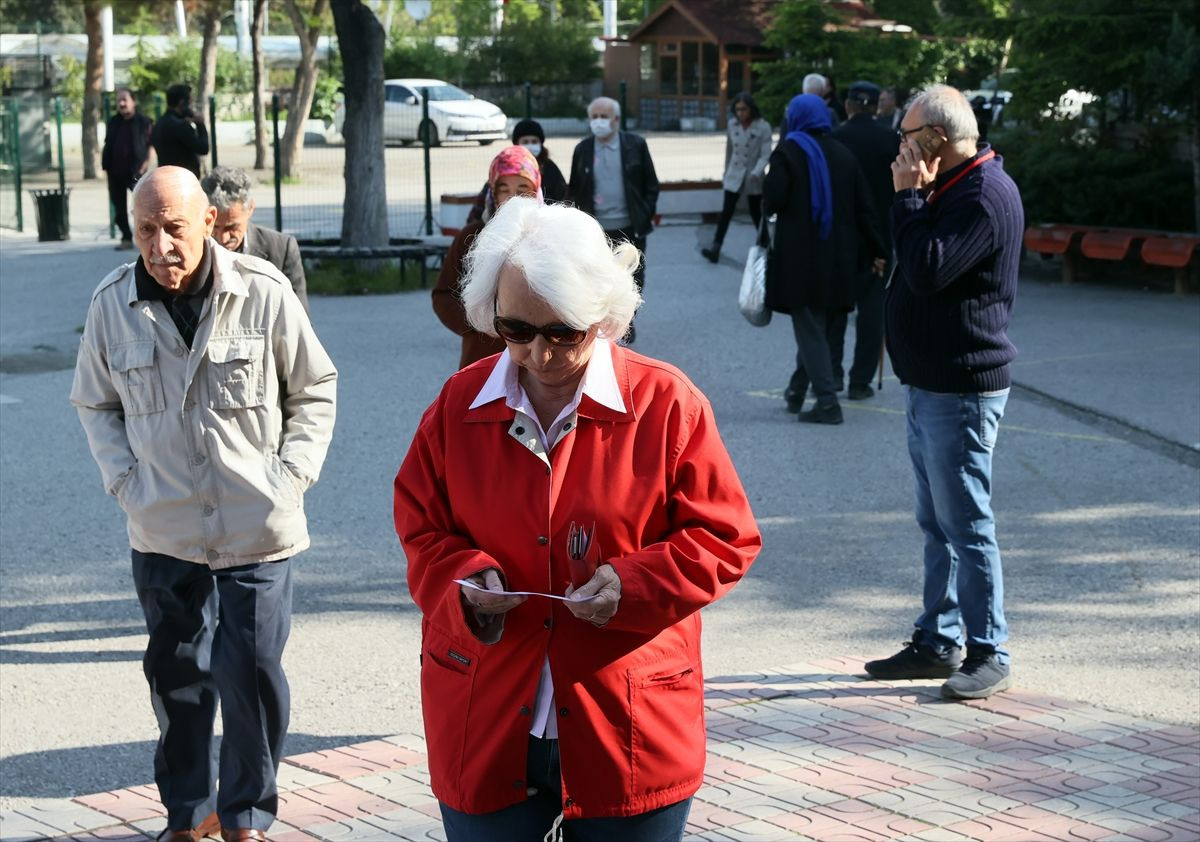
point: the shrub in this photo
(1066, 179)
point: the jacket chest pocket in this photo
(235, 371)
(139, 378)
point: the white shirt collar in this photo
(599, 381)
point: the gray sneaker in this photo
(980, 675)
(915, 660)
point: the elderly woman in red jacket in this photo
(568, 466)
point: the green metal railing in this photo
(10, 156)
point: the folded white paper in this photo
(474, 586)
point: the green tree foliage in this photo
(535, 44)
(23, 16)
(1140, 62)
(814, 36)
(422, 58)
(536, 49)
(181, 64)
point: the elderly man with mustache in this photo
(208, 404)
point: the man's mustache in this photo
(166, 260)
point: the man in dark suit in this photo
(125, 158)
(875, 146)
(613, 179)
(228, 189)
(179, 137)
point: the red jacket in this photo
(671, 518)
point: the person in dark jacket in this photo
(613, 179)
(958, 224)
(180, 137)
(125, 157)
(824, 208)
(228, 189)
(875, 147)
(529, 133)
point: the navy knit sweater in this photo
(950, 299)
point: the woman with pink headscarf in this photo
(513, 172)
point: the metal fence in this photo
(309, 204)
(11, 215)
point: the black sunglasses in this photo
(522, 333)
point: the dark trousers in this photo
(868, 331)
(119, 185)
(731, 200)
(812, 358)
(639, 242)
(216, 635)
(532, 818)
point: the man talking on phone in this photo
(957, 224)
(180, 137)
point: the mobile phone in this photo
(929, 140)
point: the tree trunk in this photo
(260, 85)
(208, 56)
(364, 214)
(93, 81)
(304, 85)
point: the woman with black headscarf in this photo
(825, 215)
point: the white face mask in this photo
(601, 127)
(535, 149)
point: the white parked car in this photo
(454, 114)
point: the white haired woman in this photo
(573, 467)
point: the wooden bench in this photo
(1154, 248)
(1174, 251)
(402, 251)
(1048, 240)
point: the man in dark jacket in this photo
(125, 157)
(228, 190)
(824, 210)
(875, 147)
(180, 137)
(958, 223)
(613, 179)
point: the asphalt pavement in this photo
(1097, 494)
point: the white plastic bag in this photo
(752, 297)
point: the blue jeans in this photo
(532, 818)
(216, 634)
(950, 440)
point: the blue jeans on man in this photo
(533, 818)
(950, 440)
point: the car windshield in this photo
(446, 92)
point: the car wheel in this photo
(486, 142)
(428, 129)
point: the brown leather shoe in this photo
(211, 826)
(243, 834)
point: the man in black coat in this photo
(228, 190)
(875, 147)
(613, 179)
(180, 137)
(125, 157)
(824, 209)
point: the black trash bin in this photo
(53, 217)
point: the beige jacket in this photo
(209, 452)
(747, 151)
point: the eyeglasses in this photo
(904, 133)
(522, 333)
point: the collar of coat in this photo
(226, 279)
(497, 409)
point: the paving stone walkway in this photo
(811, 751)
